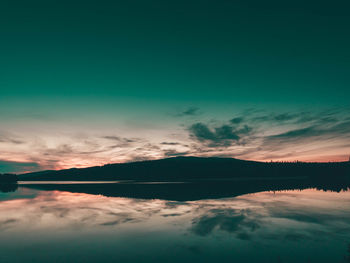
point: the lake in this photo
(50, 225)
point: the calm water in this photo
(285, 226)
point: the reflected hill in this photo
(194, 190)
(193, 178)
(193, 168)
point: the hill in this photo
(193, 168)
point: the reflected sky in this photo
(308, 226)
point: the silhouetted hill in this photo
(193, 168)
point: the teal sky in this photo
(153, 70)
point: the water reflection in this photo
(6, 188)
(289, 226)
(192, 190)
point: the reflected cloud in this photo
(226, 220)
(58, 210)
(285, 215)
(268, 221)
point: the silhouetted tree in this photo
(8, 178)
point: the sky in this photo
(86, 83)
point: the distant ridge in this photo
(192, 168)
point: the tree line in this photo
(8, 178)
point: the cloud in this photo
(312, 136)
(294, 134)
(302, 117)
(334, 131)
(62, 149)
(224, 135)
(173, 153)
(170, 143)
(251, 134)
(72, 150)
(237, 120)
(10, 138)
(112, 137)
(284, 117)
(119, 139)
(322, 140)
(191, 111)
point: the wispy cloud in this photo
(253, 134)
(6, 137)
(170, 143)
(335, 131)
(287, 135)
(191, 111)
(224, 135)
